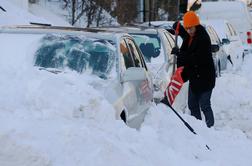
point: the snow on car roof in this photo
(129, 29)
(39, 29)
(218, 25)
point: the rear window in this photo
(81, 54)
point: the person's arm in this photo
(182, 32)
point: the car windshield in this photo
(79, 53)
(149, 44)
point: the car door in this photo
(236, 44)
(166, 66)
(223, 55)
(216, 55)
(138, 93)
(145, 86)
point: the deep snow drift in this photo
(61, 120)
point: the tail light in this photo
(249, 39)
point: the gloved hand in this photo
(174, 26)
(175, 51)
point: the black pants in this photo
(201, 102)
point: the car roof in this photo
(40, 29)
(130, 29)
(218, 25)
(155, 24)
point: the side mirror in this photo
(134, 74)
(225, 41)
(215, 48)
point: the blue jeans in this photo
(201, 101)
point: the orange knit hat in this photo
(190, 19)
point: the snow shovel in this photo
(172, 91)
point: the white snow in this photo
(60, 120)
(235, 12)
(48, 14)
(16, 15)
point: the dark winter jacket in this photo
(197, 61)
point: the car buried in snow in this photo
(219, 55)
(112, 60)
(231, 41)
(156, 45)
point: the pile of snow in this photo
(233, 97)
(60, 120)
(234, 12)
(48, 14)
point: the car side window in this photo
(126, 59)
(171, 42)
(213, 35)
(134, 53)
(210, 33)
(233, 32)
(216, 36)
(141, 56)
(230, 30)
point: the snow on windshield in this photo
(80, 54)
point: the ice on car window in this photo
(81, 54)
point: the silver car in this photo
(156, 45)
(112, 60)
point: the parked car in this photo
(236, 12)
(165, 25)
(113, 61)
(232, 43)
(219, 56)
(156, 45)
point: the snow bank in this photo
(51, 119)
(15, 15)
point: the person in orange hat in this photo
(196, 57)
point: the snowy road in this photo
(232, 99)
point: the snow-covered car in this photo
(168, 25)
(219, 56)
(236, 12)
(156, 45)
(232, 43)
(112, 62)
